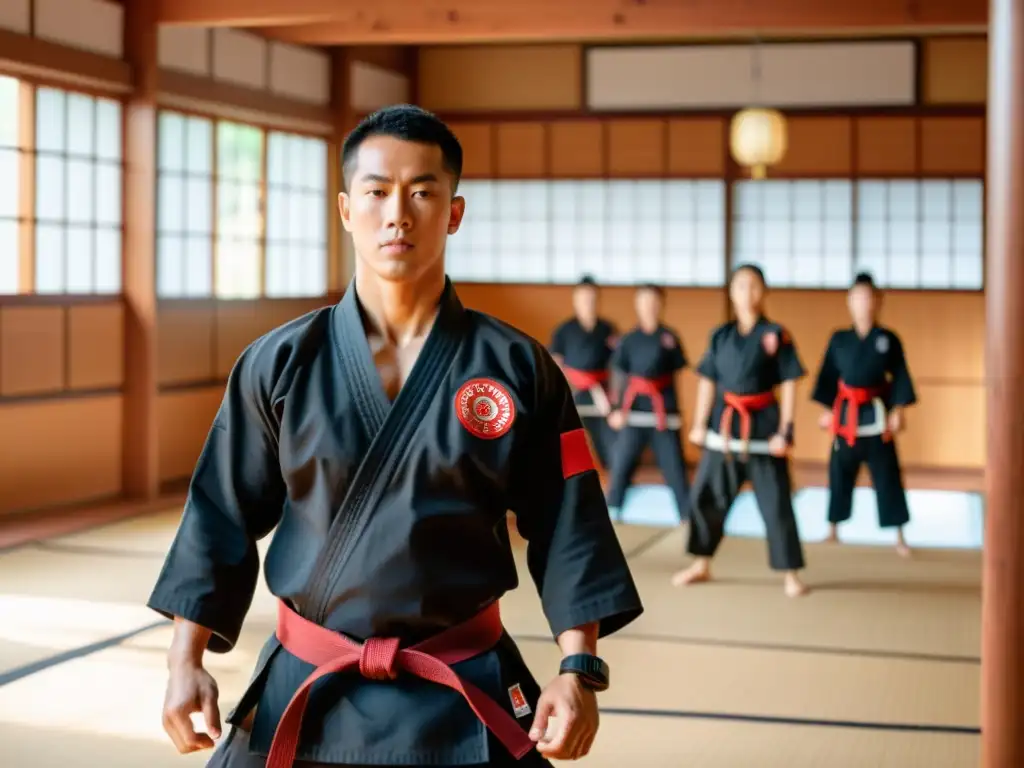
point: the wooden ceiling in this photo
(412, 22)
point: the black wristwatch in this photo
(592, 671)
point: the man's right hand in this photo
(825, 421)
(191, 689)
(698, 435)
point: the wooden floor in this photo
(878, 668)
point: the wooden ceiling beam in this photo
(353, 22)
(249, 13)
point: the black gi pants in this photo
(886, 476)
(629, 444)
(716, 487)
(233, 752)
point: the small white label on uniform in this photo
(519, 704)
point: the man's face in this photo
(399, 207)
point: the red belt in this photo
(855, 397)
(382, 659)
(638, 385)
(585, 380)
(743, 405)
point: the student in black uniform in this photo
(864, 369)
(746, 432)
(646, 360)
(582, 347)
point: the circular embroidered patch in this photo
(770, 342)
(485, 408)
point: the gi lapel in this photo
(390, 425)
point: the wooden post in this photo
(1002, 665)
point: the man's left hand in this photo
(777, 446)
(574, 706)
(895, 422)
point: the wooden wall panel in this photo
(185, 417)
(818, 146)
(477, 141)
(95, 346)
(500, 78)
(31, 350)
(696, 147)
(636, 148)
(576, 149)
(59, 451)
(886, 146)
(522, 150)
(955, 70)
(953, 145)
(185, 343)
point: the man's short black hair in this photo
(587, 282)
(752, 268)
(864, 278)
(409, 123)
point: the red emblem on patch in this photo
(613, 342)
(485, 408)
(770, 342)
(668, 341)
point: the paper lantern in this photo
(758, 139)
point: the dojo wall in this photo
(62, 377)
(520, 112)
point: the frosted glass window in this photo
(621, 231)
(78, 175)
(239, 211)
(297, 216)
(10, 184)
(185, 192)
(798, 231)
(922, 234)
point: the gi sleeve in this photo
(557, 346)
(901, 391)
(707, 367)
(790, 366)
(677, 355)
(573, 554)
(826, 386)
(619, 360)
(236, 497)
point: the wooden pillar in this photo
(1002, 702)
(140, 447)
(339, 266)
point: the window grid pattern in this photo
(922, 234)
(620, 232)
(184, 237)
(78, 193)
(10, 184)
(239, 247)
(297, 206)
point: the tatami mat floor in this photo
(877, 669)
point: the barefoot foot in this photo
(902, 549)
(696, 573)
(794, 587)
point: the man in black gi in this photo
(384, 438)
(647, 410)
(583, 346)
(865, 383)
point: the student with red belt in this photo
(747, 432)
(644, 366)
(583, 346)
(383, 440)
(865, 383)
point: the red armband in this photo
(576, 455)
